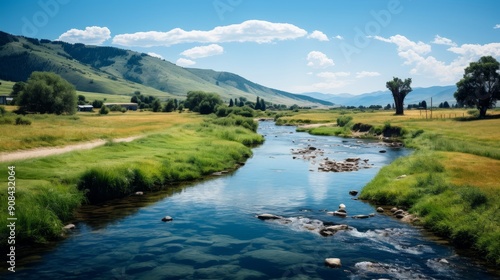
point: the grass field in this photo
(176, 147)
(452, 178)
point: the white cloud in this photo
(318, 59)
(364, 74)
(155, 55)
(415, 54)
(92, 35)
(248, 31)
(338, 37)
(475, 51)
(203, 51)
(183, 62)
(443, 41)
(318, 35)
(496, 26)
(333, 75)
(405, 45)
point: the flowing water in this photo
(215, 233)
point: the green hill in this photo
(117, 71)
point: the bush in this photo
(104, 110)
(343, 120)
(361, 127)
(22, 121)
(2, 110)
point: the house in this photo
(128, 106)
(5, 99)
(85, 108)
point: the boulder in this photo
(353, 193)
(268, 217)
(382, 151)
(397, 212)
(380, 209)
(336, 228)
(400, 216)
(69, 227)
(394, 209)
(360, 217)
(342, 211)
(401, 176)
(340, 214)
(333, 262)
(139, 193)
(167, 219)
(342, 206)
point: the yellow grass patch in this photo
(467, 169)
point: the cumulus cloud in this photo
(364, 74)
(496, 26)
(92, 35)
(318, 59)
(318, 35)
(438, 40)
(416, 55)
(338, 37)
(258, 31)
(203, 51)
(155, 55)
(183, 62)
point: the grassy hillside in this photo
(116, 71)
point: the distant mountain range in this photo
(112, 70)
(438, 94)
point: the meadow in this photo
(174, 148)
(451, 180)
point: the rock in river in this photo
(167, 219)
(333, 262)
(268, 217)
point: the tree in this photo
(262, 104)
(423, 104)
(202, 102)
(169, 106)
(257, 104)
(156, 105)
(480, 85)
(231, 103)
(47, 92)
(399, 91)
(446, 104)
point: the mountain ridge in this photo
(439, 94)
(110, 70)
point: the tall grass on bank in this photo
(51, 188)
(468, 215)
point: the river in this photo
(215, 233)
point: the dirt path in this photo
(43, 152)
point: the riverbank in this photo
(450, 182)
(190, 147)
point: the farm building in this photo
(128, 106)
(85, 108)
(5, 99)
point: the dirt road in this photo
(43, 152)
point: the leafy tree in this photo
(169, 106)
(480, 85)
(97, 103)
(399, 91)
(47, 92)
(202, 102)
(156, 105)
(17, 88)
(257, 104)
(104, 110)
(388, 107)
(423, 104)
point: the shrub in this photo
(361, 127)
(22, 121)
(104, 110)
(2, 110)
(343, 120)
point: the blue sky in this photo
(329, 46)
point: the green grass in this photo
(452, 176)
(53, 187)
